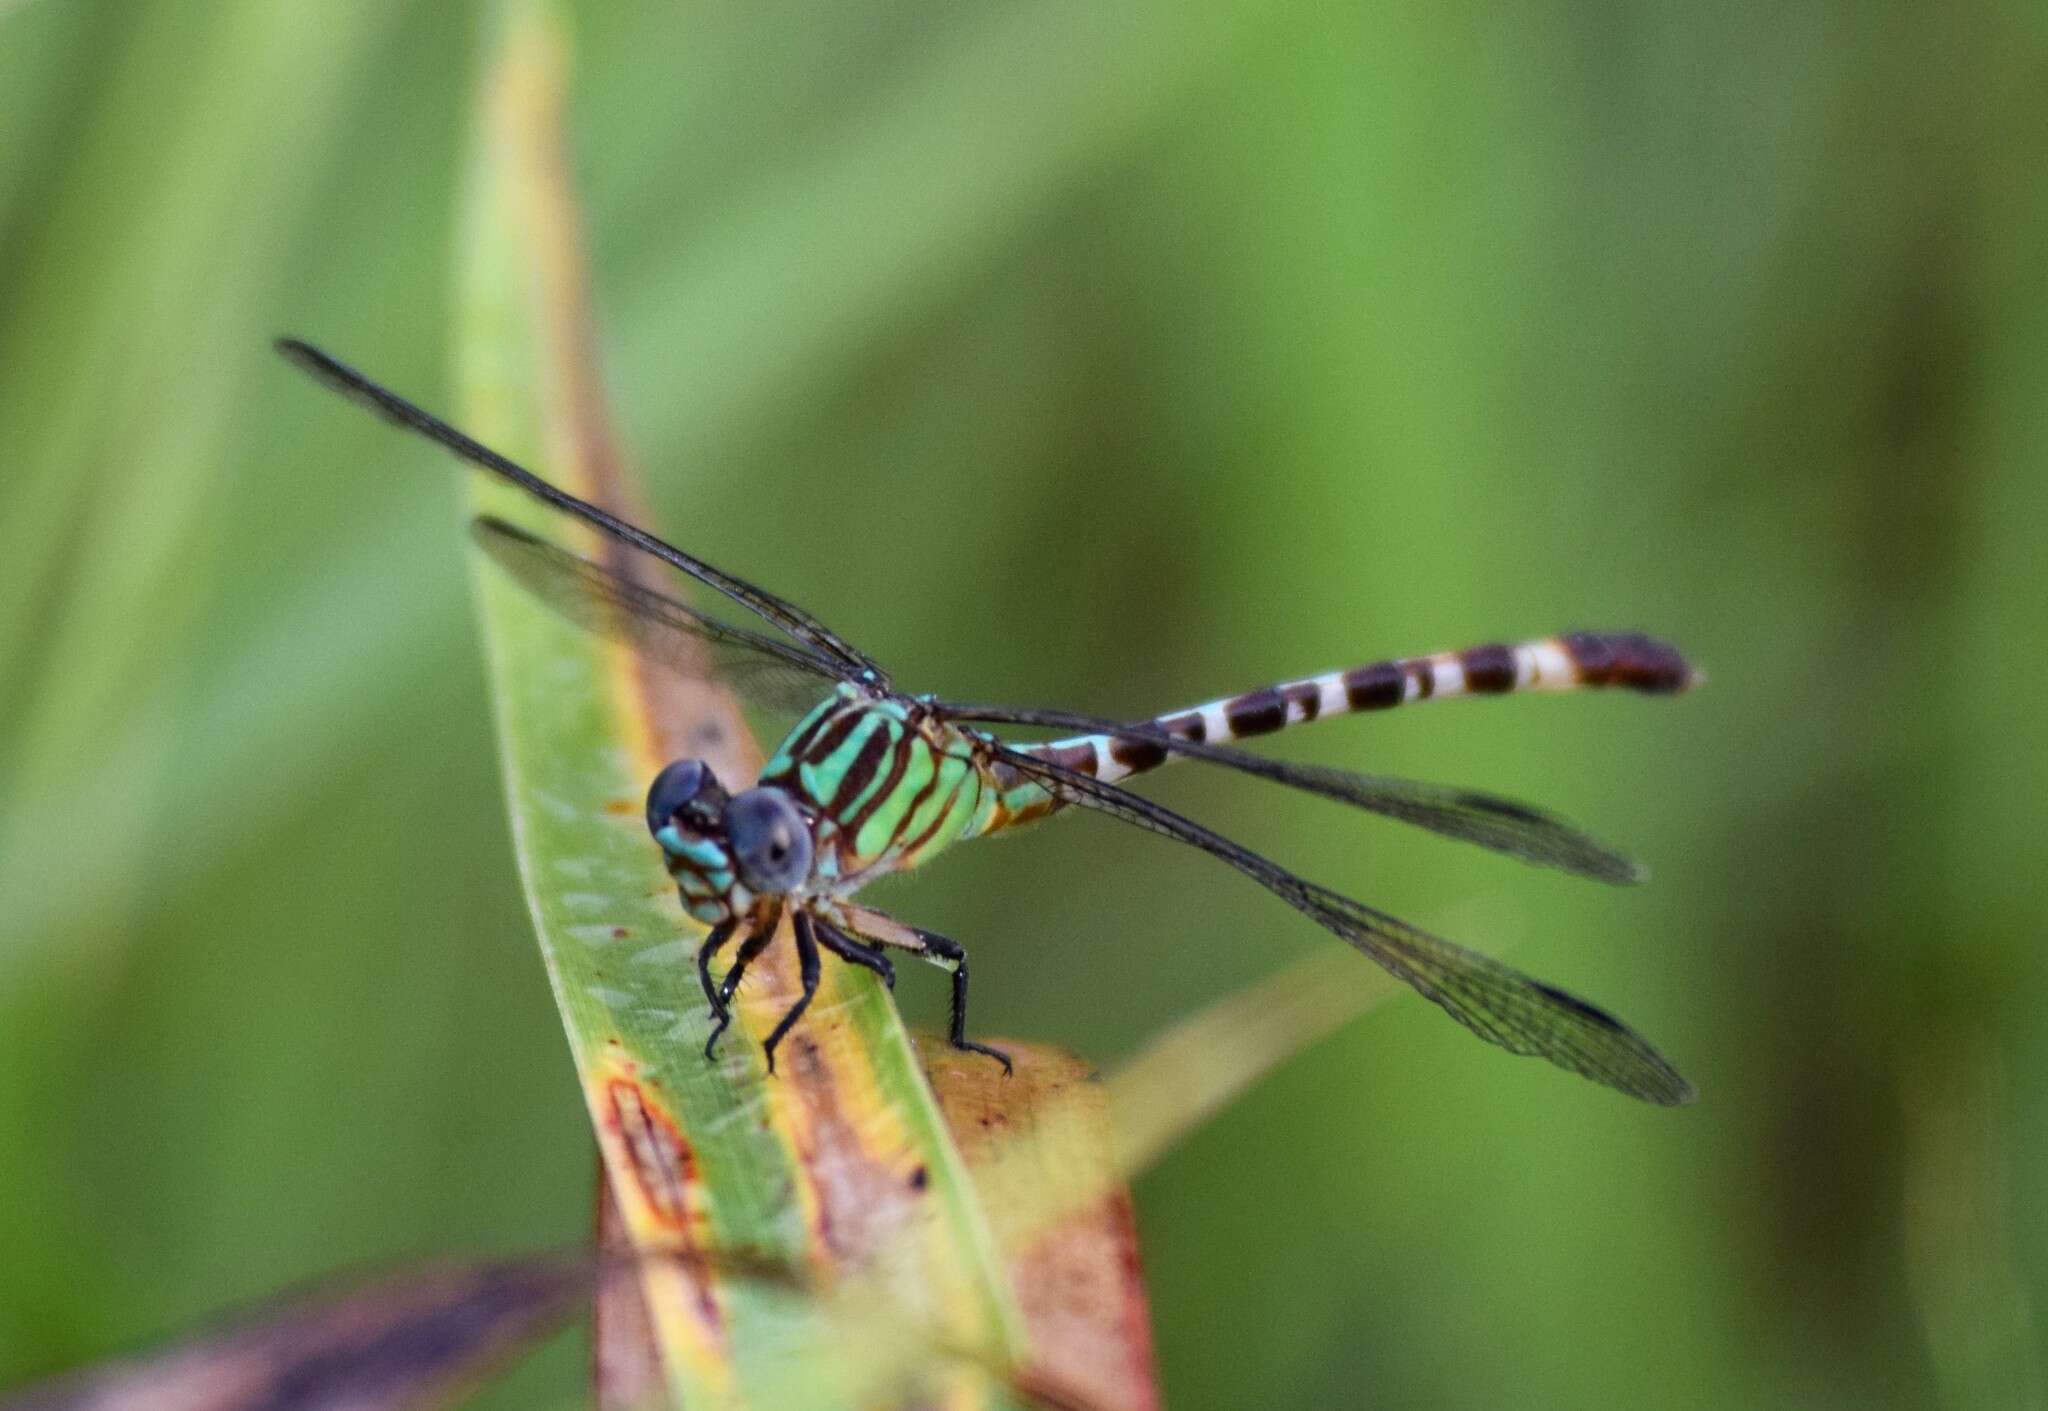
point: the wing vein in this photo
(690, 643)
(381, 400)
(1498, 1003)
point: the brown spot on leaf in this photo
(660, 1160)
(663, 1168)
(862, 1198)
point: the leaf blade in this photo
(813, 1167)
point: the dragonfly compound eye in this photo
(769, 840)
(676, 788)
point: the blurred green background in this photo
(1114, 354)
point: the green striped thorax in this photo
(861, 786)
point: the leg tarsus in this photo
(749, 948)
(950, 953)
(720, 934)
(752, 946)
(807, 964)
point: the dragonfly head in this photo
(770, 840)
(721, 846)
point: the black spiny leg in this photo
(807, 964)
(720, 934)
(947, 952)
(752, 946)
(847, 948)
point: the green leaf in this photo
(842, 1165)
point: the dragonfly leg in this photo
(720, 934)
(752, 946)
(949, 954)
(807, 964)
(941, 951)
(847, 948)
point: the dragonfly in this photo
(873, 780)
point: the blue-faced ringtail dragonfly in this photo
(873, 780)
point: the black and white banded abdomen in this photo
(1569, 662)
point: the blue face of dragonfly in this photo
(721, 847)
(686, 815)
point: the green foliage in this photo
(1116, 355)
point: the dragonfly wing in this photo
(1500, 1004)
(850, 662)
(764, 669)
(1516, 829)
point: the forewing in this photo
(1505, 826)
(764, 669)
(1500, 1004)
(395, 409)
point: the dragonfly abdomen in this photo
(1571, 661)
